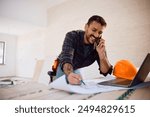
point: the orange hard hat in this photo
(124, 69)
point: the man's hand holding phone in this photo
(101, 47)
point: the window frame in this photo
(3, 44)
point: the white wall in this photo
(9, 68)
(30, 48)
(127, 34)
(14, 27)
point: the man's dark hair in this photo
(98, 19)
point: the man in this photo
(82, 48)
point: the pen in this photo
(81, 81)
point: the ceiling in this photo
(18, 17)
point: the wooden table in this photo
(36, 91)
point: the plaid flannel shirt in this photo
(78, 54)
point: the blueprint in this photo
(91, 86)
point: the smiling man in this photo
(81, 49)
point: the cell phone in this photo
(98, 40)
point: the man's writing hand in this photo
(74, 78)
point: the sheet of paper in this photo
(91, 86)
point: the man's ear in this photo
(86, 26)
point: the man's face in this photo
(93, 32)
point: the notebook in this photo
(139, 77)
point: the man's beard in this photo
(92, 38)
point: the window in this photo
(2, 52)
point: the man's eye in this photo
(94, 30)
(100, 33)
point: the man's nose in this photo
(96, 35)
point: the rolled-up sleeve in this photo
(67, 52)
(109, 70)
